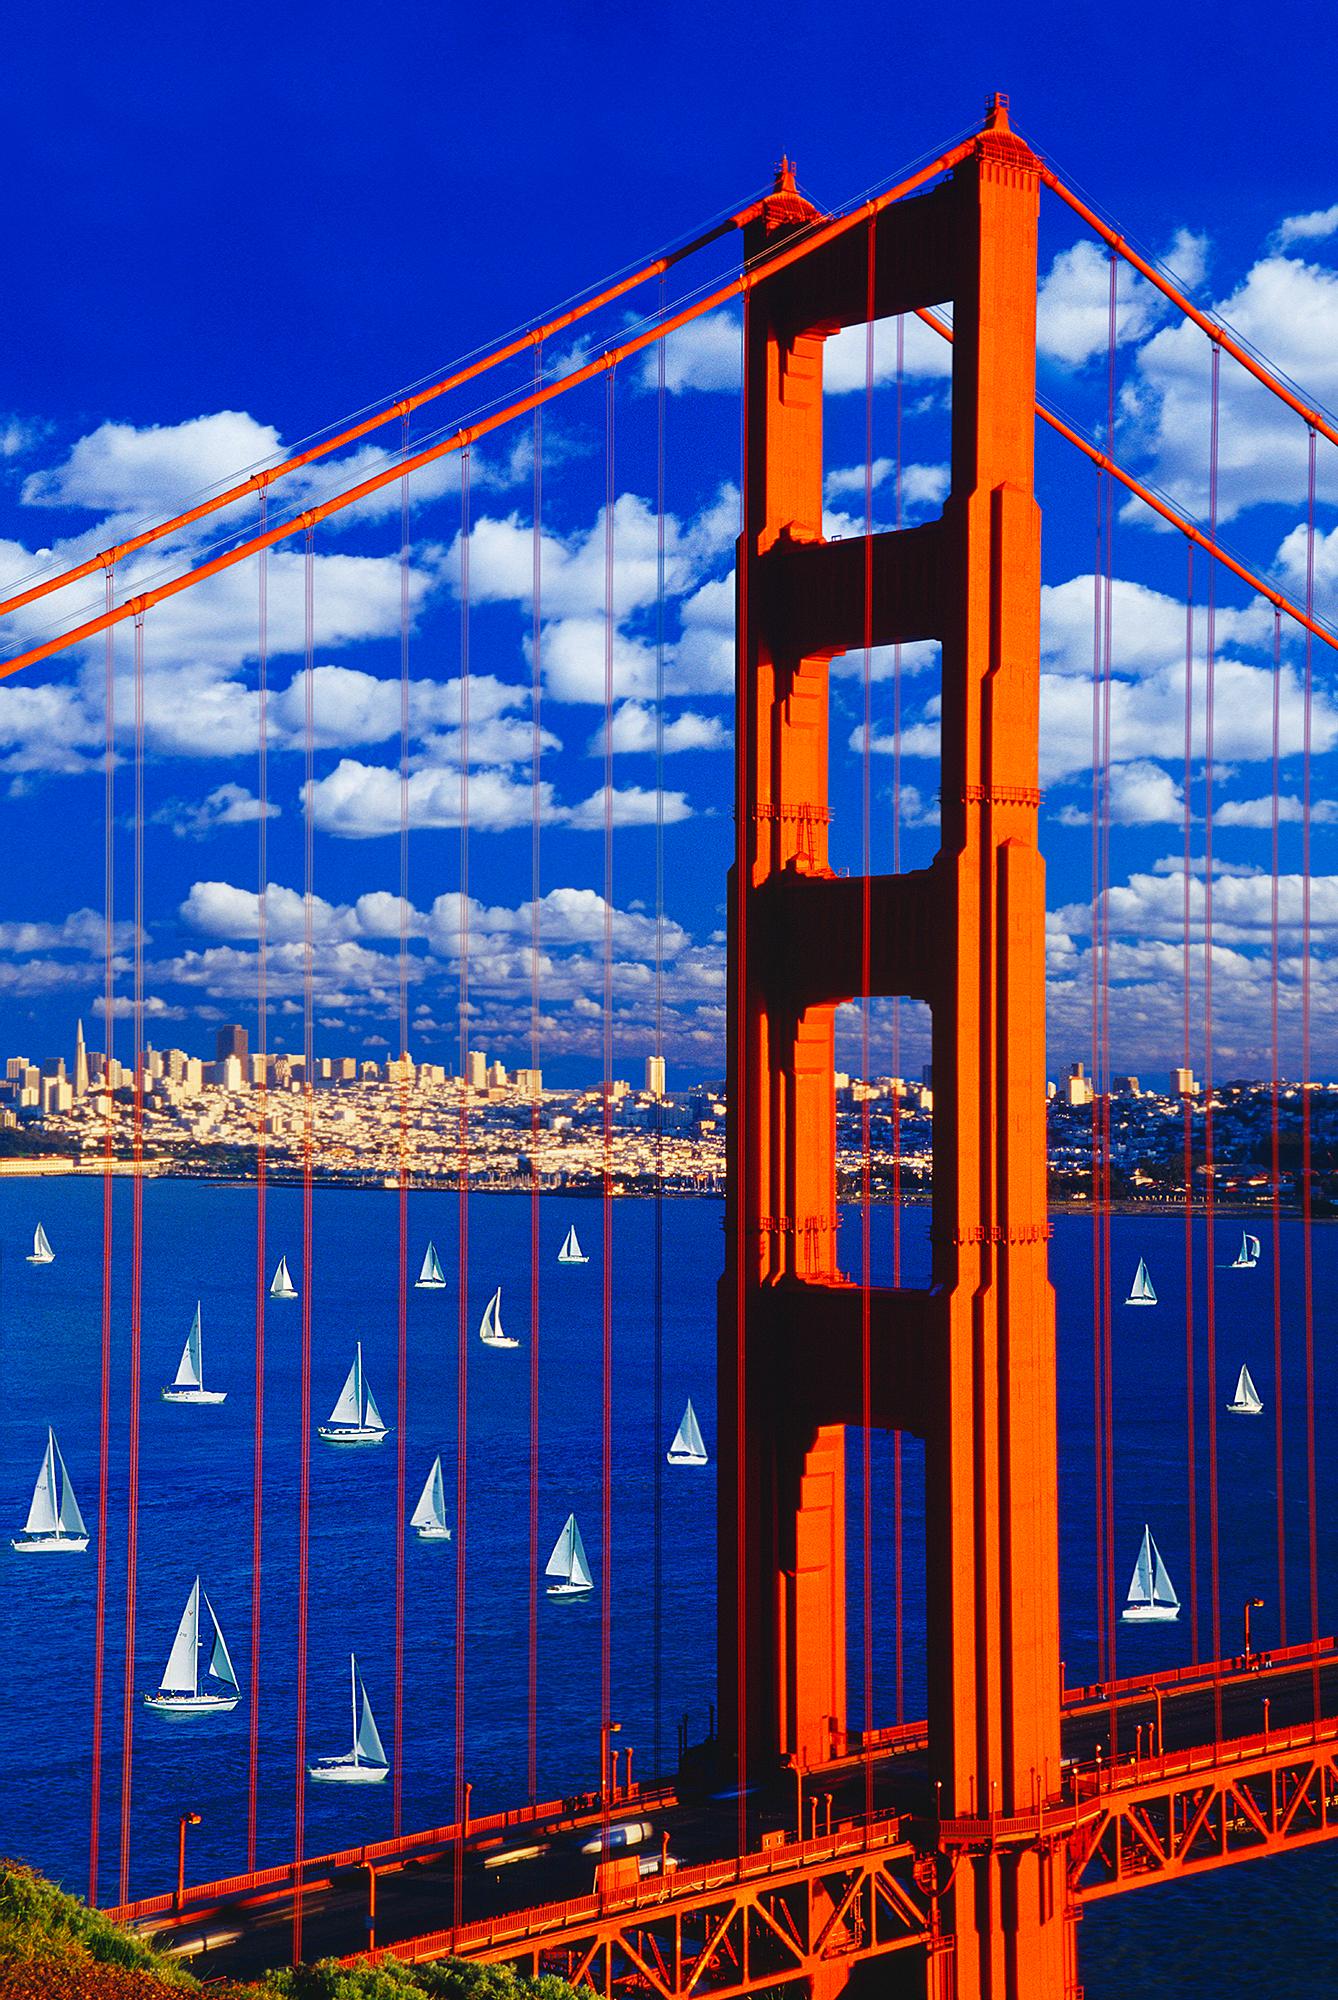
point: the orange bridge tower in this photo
(967, 1365)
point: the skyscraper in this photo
(655, 1076)
(231, 1041)
(476, 1070)
(80, 1062)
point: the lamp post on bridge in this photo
(1156, 1694)
(186, 1819)
(606, 1730)
(1251, 1604)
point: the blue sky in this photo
(229, 230)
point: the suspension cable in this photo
(536, 941)
(1187, 1103)
(1209, 1080)
(402, 1203)
(262, 1172)
(1275, 1136)
(108, 1218)
(136, 1277)
(308, 1157)
(866, 1003)
(462, 1187)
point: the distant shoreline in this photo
(15, 1169)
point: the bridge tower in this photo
(968, 1365)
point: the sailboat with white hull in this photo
(1247, 1402)
(1152, 1598)
(571, 1251)
(186, 1689)
(282, 1286)
(688, 1447)
(1141, 1292)
(568, 1564)
(431, 1278)
(490, 1326)
(428, 1518)
(54, 1525)
(366, 1763)
(1247, 1256)
(41, 1252)
(355, 1418)
(188, 1383)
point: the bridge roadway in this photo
(242, 1930)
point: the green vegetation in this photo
(53, 1947)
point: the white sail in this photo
(1152, 1595)
(431, 1509)
(283, 1286)
(43, 1514)
(568, 1560)
(1141, 1292)
(571, 1251)
(372, 1420)
(1247, 1401)
(348, 1409)
(220, 1660)
(188, 1368)
(1163, 1590)
(1252, 1245)
(688, 1447)
(67, 1514)
(42, 1253)
(367, 1745)
(490, 1326)
(431, 1277)
(181, 1675)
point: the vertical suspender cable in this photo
(1275, 1139)
(1209, 1164)
(262, 1166)
(1307, 1192)
(308, 1150)
(462, 1187)
(402, 1314)
(1104, 1635)
(108, 1187)
(136, 1278)
(867, 981)
(898, 1550)
(657, 1303)
(536, 939)
(742, 1248)
(606, 1437)
(1102, 1087)
(1187, 1102)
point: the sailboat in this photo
(429, 1516)
(283, 1286)
(54, 1522)
(1247, 1256)
(1247, 1402)
(1141, 1292)
(1152, 1597)
(41, 1253)
(688, 1447)
(355, 1418)
(568, 1564)
(187, 1385)
(179, 1691)
(571, 1251)
(490, 1326)
(366, 1762)
(431, 1278)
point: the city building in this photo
(655, 1076)
(476, 1070)
(231, 1041)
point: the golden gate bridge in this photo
(953, 1854)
